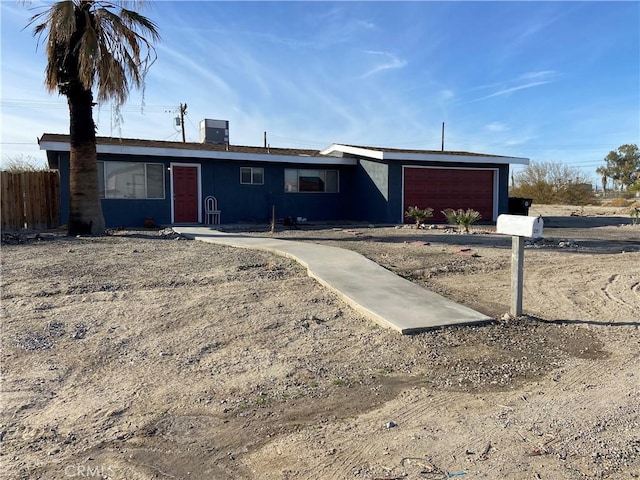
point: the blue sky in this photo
(551, 81)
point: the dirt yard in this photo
(144, 356)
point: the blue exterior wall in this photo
(503, 189)
(63, 168)
(220, 178)
(376, 206)
(249, 203)
(125, 212)
(369, 191)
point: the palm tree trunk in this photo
(85, 209)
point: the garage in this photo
(442, 188)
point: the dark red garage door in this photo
(442, 188)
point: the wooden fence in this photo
(30, 200)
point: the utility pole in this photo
(443, 136)
(183, 111)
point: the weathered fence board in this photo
(30, 200)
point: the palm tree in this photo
(604, 173)
(99, 45)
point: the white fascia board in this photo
(362, 152)
(449, 158)
(204, 154)
(421, 157)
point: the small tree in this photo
(419, 214)
(462, 218)
(623, 165)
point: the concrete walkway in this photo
(372, 290)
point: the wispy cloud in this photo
(546, 19)
(541, 75)
(496, 127)
(447, 94)
(525, 81)
(389, 62)
(184, 61)
(514, 89)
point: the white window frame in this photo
(146, 179)
(324, 170)
(253, 170)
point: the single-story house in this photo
(169, 181)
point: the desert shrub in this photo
(549, 182)
(462, 218)
(577, 194)
(419, 214)
(619, 202)
(635, 215)
(450, 215)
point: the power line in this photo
(172, 135)
(60, 105)
(193, 125)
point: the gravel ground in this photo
(141, 355)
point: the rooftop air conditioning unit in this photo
(214, 131)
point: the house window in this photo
(131, 180)
(251, 175)
(325, 181)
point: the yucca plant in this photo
(419, 214)
(461, 218)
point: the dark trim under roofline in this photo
(190, 153)
(336, 154)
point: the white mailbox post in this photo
(519, 227)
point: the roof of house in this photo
(401, 154)
(420, 151)
(135, 142)
(334, 154)
(161, 148)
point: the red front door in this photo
(185, 194)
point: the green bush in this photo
(419, 214)
(462, 218)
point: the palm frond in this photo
(99, 44)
